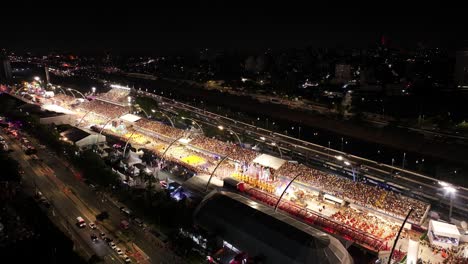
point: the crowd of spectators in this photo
(356, 192)
(103, 108)
(160, 128)
(454, 255)
(62, 99)
(367, 222)
(115, 95)
(234, 151)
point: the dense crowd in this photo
(115, 95)
(103, 108)
(234, 151)
(367, 222)
(62, 99)
(160, 128)
(356, 192)
(454, 255)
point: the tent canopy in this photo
(445, 229)
(133, 159)
(269, 161)
(130, 118)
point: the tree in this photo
(10, 168)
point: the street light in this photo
(232, 132)
(451, 190)
(347, 163)
(36, 78)
(193, 123)
(403, 163)
(93, 89)
(163, 114)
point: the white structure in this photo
(81, 138)
(130, 118)
(443, 234)
(413, 250)
(269, 161)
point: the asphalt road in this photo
(66, 206)
(71, 197)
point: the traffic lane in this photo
(88, 197)
(85, 198)
(39, 176)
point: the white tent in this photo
(443, 234)
(269, 161)
(130, 118)
(133, 159)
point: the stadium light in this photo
(193, 123)
(450, 189)
(443, 184)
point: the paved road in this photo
(84, 201)
(66, 206)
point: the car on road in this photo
(119, 251)
(126, 259)
(94, 238)
(80, 222)
(92, 225)
(125, 210)
(108, 239)
(163, 184)
(112, 245)
(46, 203)
(102, 216)
(102, 234)
(138, 221)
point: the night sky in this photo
(137, 28)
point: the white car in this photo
(112, 245)
(92, 225)
(119, 251)
(126, 259)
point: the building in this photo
(45, 116)
(81, 138)
(443, 234)
(5, 70)
(461, 69)
(343, 73)
(255, 230)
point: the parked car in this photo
(119, 251)
(112, 245)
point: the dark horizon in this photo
(236, 27)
